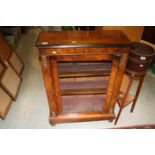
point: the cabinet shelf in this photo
(83, 103)
(83, 92)
(84, 69)
(85, 74)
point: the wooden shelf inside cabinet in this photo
(83, 92)
(129, 99)
(83, 103)
(85, 74)
(83, 85)
(84, 69)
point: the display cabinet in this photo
(82, 72)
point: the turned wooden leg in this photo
(123, 100)
(137, 93)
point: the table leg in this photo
(124, 99)
(137, 93)
(119, 77)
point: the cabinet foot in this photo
(52, 124)
(110, 120)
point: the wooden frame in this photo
(3, 69)
(4, 107)
(22, 68)
(59, 116)
(5, 87)
(6, 52)
(7, 61)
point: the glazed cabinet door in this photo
(81, 85)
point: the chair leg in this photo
(137, 93)
(124, 99)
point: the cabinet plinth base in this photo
(80, 117)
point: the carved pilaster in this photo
(43, 60)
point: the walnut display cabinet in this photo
(82, 72)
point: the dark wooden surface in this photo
(81, 39)
(149, 34)
(76, 47)
(140, 59)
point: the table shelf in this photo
(130, 98)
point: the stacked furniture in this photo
(11, 67)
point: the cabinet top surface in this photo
(73, 39)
